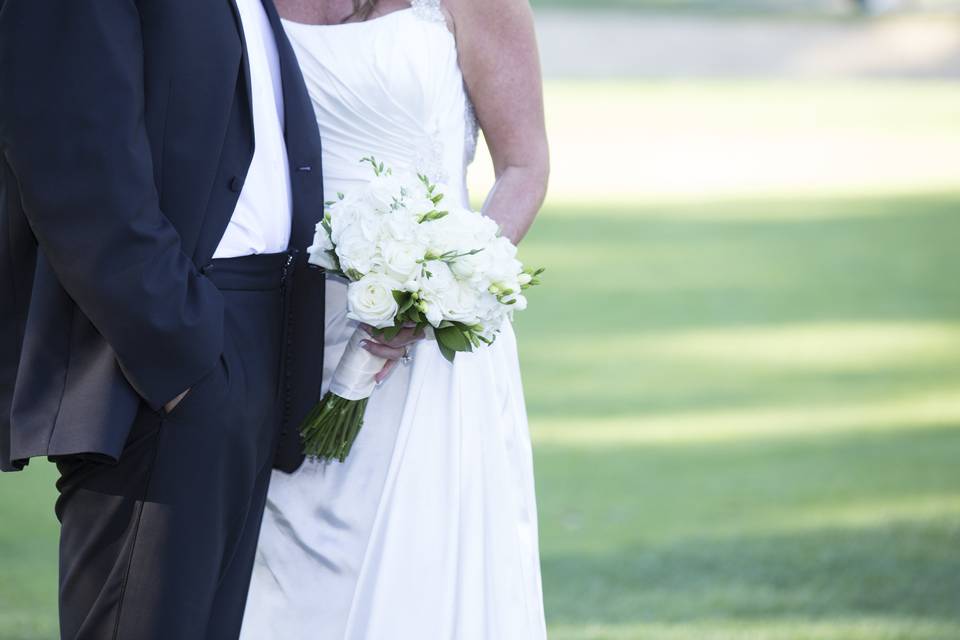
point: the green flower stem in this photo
(332, 426)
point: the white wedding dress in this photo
(428, 531)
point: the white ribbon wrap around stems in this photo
(354, 378)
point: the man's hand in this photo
(170, 406)
(392, 350)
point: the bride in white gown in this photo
(428, 531)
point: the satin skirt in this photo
(428, 530)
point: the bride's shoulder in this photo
(487, 19)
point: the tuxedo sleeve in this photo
(72, 129)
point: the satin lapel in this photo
(244, 60)
(303, 140)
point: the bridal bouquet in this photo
(411, 261)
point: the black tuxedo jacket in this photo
(125, 137)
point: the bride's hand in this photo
(392, 350)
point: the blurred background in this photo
(743, 371)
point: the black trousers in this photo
(161, 545)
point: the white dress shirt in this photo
(261, 221)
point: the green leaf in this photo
(390, 333)
(453, 339)
(467, 334)
(405, 305)
(447, 353)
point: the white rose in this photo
(371, 224)
(503, 267)
(343, 214)
(433, 311)
(461, 304)
(438, 238)
(473, 268)
(491, 315)
(320, 251)
(371, 300)
(436, 285)
(474, 225)
(461, 230)
(356, 251)
(437, 278)
(447, 298)
(401, 260)
(399, 226)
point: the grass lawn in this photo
(746, 412)
(749, 427)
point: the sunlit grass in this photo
(689, 140)
(931, 410)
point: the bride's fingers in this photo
(383, 350)
(387, 368)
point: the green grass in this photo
(746, 411)
(748, 419)
(28, 555)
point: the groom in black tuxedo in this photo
(145, 349)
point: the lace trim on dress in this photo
(429, 10)
(472, 131)
(429, 158)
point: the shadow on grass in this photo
(618, 389)
(804, 528)
(662, 489)
(901, 569)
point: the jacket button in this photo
(236, 184)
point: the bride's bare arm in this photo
(501, 67)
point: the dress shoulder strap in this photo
(430, 10)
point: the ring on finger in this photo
(406, 358)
